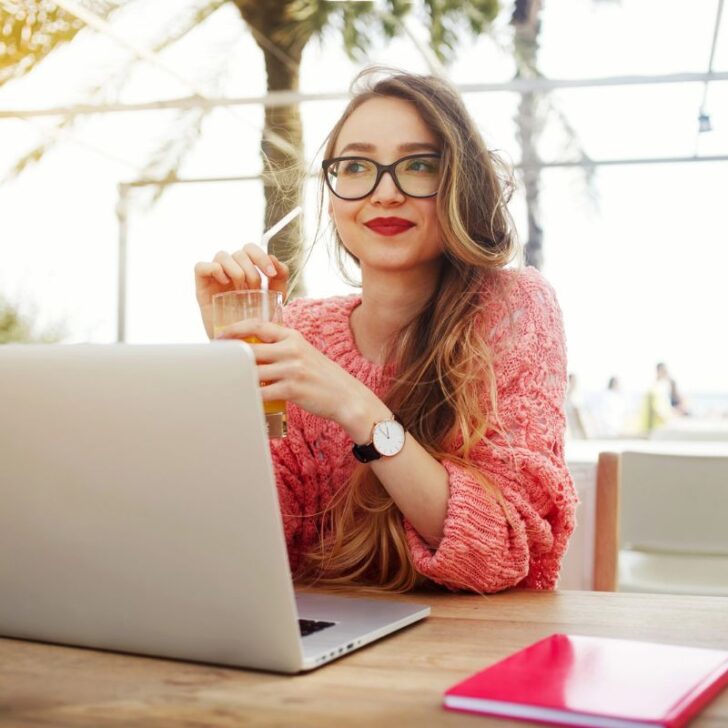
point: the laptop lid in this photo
(139, 509)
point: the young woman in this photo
(425, 416)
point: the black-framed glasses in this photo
(354, 178)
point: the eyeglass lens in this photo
(353, 178)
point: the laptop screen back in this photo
(139, 510)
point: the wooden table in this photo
(398, 681)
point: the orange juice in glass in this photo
(253, 305)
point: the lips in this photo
(389, 225)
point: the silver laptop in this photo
(139, 513)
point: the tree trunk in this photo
(284, 172)
(529, 121)
(281, 146)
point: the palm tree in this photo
(529, 120)
(282, 29)
(531, 117)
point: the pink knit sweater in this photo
(480, 548)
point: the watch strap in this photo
(366, 453)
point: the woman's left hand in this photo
(291, 369)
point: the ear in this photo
(330, 208)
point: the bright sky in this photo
(639, 270)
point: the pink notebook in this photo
(595, 681)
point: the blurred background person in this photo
(608, 411)
(574, 406)
(677, 401)
(658, 409)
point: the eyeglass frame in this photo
(381, 170)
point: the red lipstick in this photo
(389, 225)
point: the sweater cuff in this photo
(478, 550)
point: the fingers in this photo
(211, 270)
(251, 277)
(261, 259)
(279, 282)
(274, 391)
(232, 268)
(264, 331)
(242, 269)
(288, 370)
(281, 268)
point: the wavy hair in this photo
(441, 357)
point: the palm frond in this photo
(31, 29)
(448, 19)
(185, 131)
(361, 24)
(192, 19)
(166, 160)
(572, 147)
(310, 15)
(114, 82)
(36, 153)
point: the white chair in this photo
(606, 528)
(590, 561)
(673, 522)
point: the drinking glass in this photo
(253, 305)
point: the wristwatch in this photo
(387, 439)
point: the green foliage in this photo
(358, 23)
(31, 29)
(16, 326)
(449, 18)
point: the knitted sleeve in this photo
(295, 478)
(517, 536)
(296, 475)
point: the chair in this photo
(606, 529)
(673, 523)
(590, 561)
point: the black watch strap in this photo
(366, 453)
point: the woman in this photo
(471, 490)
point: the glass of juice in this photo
(233, 306)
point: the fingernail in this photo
(271, 271)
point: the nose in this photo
(386, 192)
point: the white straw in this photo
(272, 231)
(275, 229)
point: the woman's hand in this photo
(236, 272)
(291, 369)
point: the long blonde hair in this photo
(441, 358)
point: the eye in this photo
(352, 167)
(423, 165)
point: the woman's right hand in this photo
(236, 272)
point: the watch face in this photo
(388, 437)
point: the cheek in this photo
(435, 243)
(343, 212)
(431, 218)
(343, 215)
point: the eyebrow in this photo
(408, 147)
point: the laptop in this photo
(140, 513)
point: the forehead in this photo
(386, 125)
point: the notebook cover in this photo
(629, 681)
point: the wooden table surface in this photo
(397, 681)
